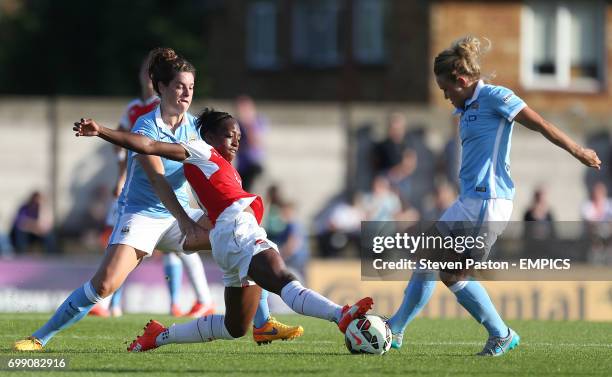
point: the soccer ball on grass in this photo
(368, 334)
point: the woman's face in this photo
(457, 91)
(177, 95)
(227, 140)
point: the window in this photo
(563, 45)
(368, 31)
(315, 33)
(261, 35)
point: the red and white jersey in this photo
(217, 185)
(135, 109)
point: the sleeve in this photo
(198, 150)
(146, 128)
(505, 103)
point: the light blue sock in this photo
(75, 307)
(474, 298)
(116, 299)
(416, 296)
(173, 268)
(263, 310)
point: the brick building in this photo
(553, 53)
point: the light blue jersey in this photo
(485, 131)
(138, 195)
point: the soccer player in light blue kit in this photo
(487, 115)
(154, 208)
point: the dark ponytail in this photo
(165, 64)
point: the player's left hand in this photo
(86, 127)
(589, 157)
(197, 241)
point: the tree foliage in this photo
(87, 47)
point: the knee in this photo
(451, 279)
(103, 287)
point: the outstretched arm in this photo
(134, 142)
(532, 120)
(153, 167)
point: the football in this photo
(368, 334)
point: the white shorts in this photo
(148, 233)
(473, 217)
(234, 243)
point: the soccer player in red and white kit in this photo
(239, 244)
(173, 268)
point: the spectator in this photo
(443, 196)
(402, 178)
(293, 241)
(273, 221)
(424, 175)
(450, 159)
(599, 206)
(340, 227)
(251, 153)
(33, 223)
(381, 204)
(538, 227)
(93, 222)
(6, 249)
(390, 151)
(539, 218)
(407, 213)
(597, 214)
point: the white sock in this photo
(203, 329)
(197, 276)
(308, 302)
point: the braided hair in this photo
(211, 121)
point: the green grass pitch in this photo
(96, 347)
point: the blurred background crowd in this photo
(341, 119)
(400, 178)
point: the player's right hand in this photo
(86, 127)
(589, 158)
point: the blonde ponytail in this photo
(462, 58)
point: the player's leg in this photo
(416, 295)
(240, 306)
(173, 270)
(102, 308)
(115, 303)
(263, 311)
(173, 241)
(471, 294)
(422, 283)
(197, 275)
(474, 298)
(267, 329)
(268, 270)
(118, 262)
